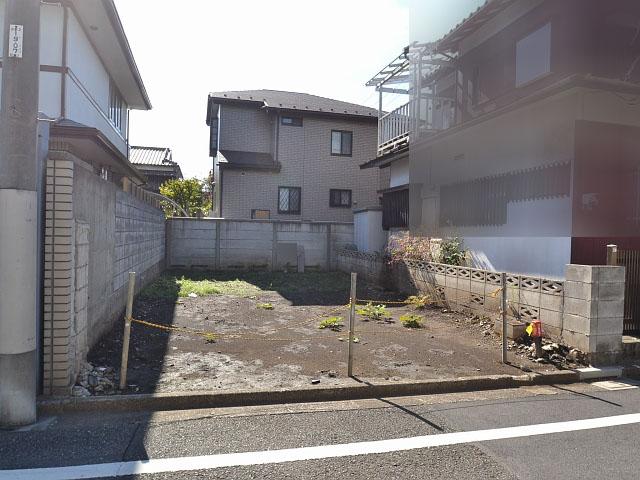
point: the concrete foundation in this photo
(18, 389)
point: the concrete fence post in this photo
(216, 253)
(594, 311)
(274, 247)
(328, 246)
(612, 255)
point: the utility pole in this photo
(19, 212)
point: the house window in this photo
(340, 198)
(289, 200)
(291, 121)
(257, 214)
(475, 86)
(533, 55)
(115, 106)
(341, 142)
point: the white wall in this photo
(368, 233)
(399, 172)
(545, 256)
(87, 92)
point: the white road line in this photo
(207, 462)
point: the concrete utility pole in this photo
(19, 212)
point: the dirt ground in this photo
(266, 336)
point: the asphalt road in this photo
(99, 438)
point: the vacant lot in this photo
(262, 330)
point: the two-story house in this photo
(291, 156)
(91, 232)
(523, 133)
(88, 83)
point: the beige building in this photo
(291, 156)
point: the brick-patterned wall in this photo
(306, 162)
(59, 275)
(95, 233)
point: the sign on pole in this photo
(15, 41)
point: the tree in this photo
(189, 194)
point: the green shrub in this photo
(210, 337)
(419, 301)
(373, 312)
(411, 321)
(451, 252)
(332, 323)
(265, 306)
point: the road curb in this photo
(363, 390)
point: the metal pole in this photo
(127, 331)
(503, 277)
(352, 321)
(19, 213)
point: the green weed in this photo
(411, 320)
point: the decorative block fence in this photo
(585, 311)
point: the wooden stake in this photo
(127, 331)
(352, 321)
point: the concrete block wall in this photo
(369, 266)
(594, 310)
(585, 311)
(243, 244)
(94, 234)
(139, 238)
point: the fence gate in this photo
(630, 259)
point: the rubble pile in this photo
(555, 353)
(95, 381)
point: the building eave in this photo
(80, 133)
(103, 28)
(387, 159)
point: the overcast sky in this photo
(189, 48)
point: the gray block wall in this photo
(95, 234)
(246, 244)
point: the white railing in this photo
(415, 118)
(394, 127)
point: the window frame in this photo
(290, 212)
(342, 134)
(296, 121)
(524, 83)
(116, 106)
(332, 204)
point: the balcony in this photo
(415, 118)
(394, 128)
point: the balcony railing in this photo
(415, 118)
(394, 128)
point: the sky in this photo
(186, 49)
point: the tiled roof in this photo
(295, 101)
(150, 156)
(484, 13)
